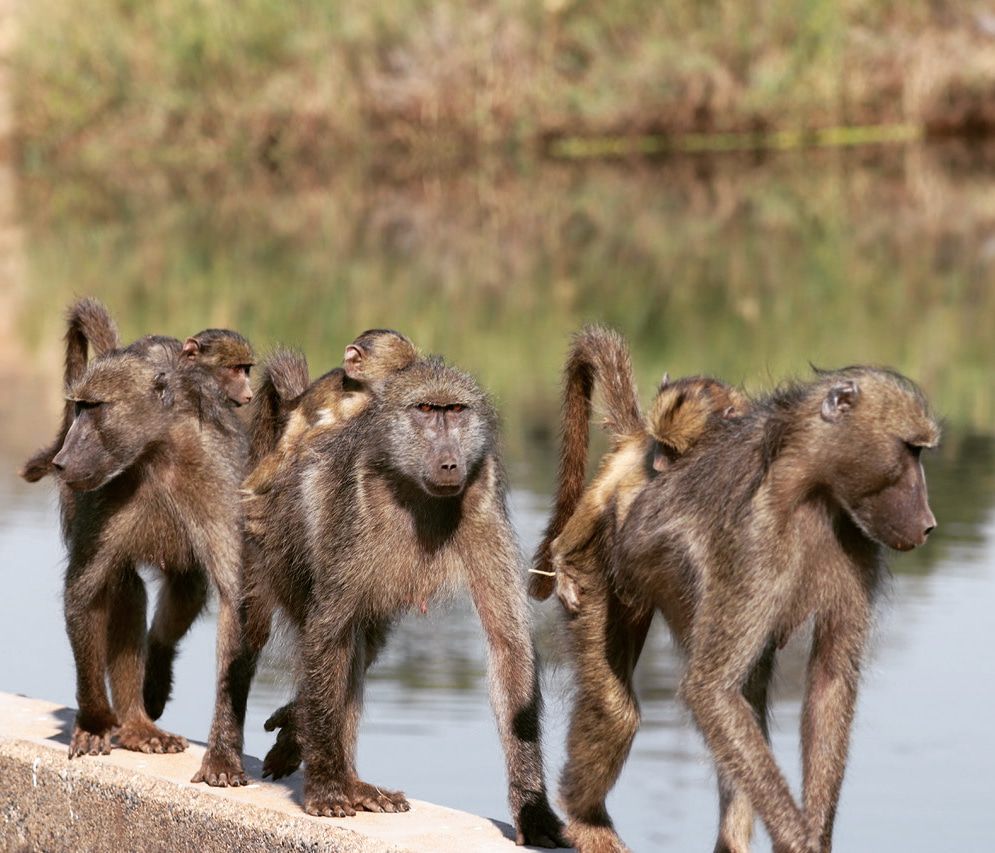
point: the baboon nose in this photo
(928, 530)
(448, 466)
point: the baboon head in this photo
(874, 424)
(440, 426)
(123, 404)
(681, 410)
(227, 356)
(377, 354)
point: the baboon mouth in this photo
(443, 490)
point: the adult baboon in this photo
(143, 472)
(770, 520)
(402, 504)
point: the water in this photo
(744, 269)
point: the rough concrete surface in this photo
(128, 801)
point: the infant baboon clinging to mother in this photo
(679, 415)
(770, 520)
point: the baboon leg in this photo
(181, 599)
(126, 664)
(735, 811)
(86, 606)
(607, 640)
(496, 588)
(720, 662)
(827, 716)
(367, 797)
(329, 679)
(243, 627)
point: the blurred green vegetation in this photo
(292, 85)
(744, 269)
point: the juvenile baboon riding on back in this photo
(773, 518)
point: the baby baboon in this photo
(220, 356)
(143, 477)
(401, 504)
(771, 519)
(326, 404)
(678, 416)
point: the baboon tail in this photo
(601, 355)
(88, 325)
(284, 378)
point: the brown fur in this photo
(679, 415)
(767, 521)
(296, 418)
(218, 356)
(143, 471)
(404, 502)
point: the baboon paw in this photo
(329, 804)
(220, 772)
(89, 743)
(594, 839)
(145, 737)
(370, 798)
(280, 718)
(538, 826)
(283, 758)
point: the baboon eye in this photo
(84, 405)
(456, 407)
(914, 449)
(425, 407)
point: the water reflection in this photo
(736, 267)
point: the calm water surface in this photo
(747, 270)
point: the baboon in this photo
(402, 504)
(771, 520)
(325, 404)
(220, 355)
(143, 473)
(678, 416)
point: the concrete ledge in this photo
(130, 801)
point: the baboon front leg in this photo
(181, 599)
(499, 596)
(126, 662)
(827, 716)
(85, 603)
(607, 639)
(735, 810)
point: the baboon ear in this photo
(841, 398)
(191, 348)
(352, 358)
(660, 460)
(163, 389)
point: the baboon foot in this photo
(594, 839)
(370, 798)
(144, 736)
(538, 825)
(328, 799)
(89, 743)
(284, 756)
(221, 771)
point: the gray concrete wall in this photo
(128, 801)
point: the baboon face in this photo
(120, 407)
(441, 427)
(234, 383)
(377, 354)
(227, 356)
(883, 427)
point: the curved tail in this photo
(284, 378)
(601, 355)
(88, 325)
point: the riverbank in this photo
(132, 801)
(296, 86)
